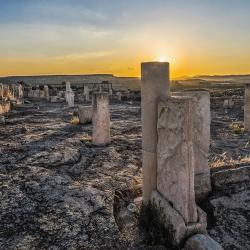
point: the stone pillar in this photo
(86, 93)
(119, 96)
(1, 91)
(155, 85)
(6, 91)
(101, 119)
(69, 95)
(247, 108)
(46, 92)
(68, 88)
(201, 141)
(175, 156)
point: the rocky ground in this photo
(58, 191)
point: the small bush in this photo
(75, 120)
(236, 129)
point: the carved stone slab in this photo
(201, 140)
(175, 157)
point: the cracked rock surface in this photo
(58, 191)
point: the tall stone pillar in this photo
(68, 88)
(247, 108)
(155, 85)
(201, 141)
(86, 93)
(1, 91)
(69, 95)
(175, 156)
(46, 92)
(101, 119)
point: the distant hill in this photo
(54, 80)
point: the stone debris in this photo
(201, 242)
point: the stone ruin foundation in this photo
(173, 141)
(85, 114)
(101, 119)
(247, 108)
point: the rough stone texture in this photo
(44, 137)
(6, 91)
(231, 208)
(154, 86)
(57, 191)
(1, 91)
(46, 92)
(68, 88)
(101, 119)
(85, 114)
(176, 227)
(69, 96)
(202, 242)
(86, 93)
(201, 141)
(247, 108)
(175, 156)
(230, 176)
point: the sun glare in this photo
(162, 59)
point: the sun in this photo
(161, 59)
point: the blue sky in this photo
(99, 33)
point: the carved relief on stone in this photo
(175, 158)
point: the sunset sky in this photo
(115, 36)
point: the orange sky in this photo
(196, 37)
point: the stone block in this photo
(178, 230)
(175, 156)
(85, 114)
(201, 140)
(202, 242)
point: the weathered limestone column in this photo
(119, 96)
(69, 95)
(6, 91)
(1, 91)
(46, 92)
(155, 85)
(247, 108)
(201, 141)
(68, 88)
(86, 93)
(175, 156)
(101, 119)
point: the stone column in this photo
(1, 91)
(101, 119)
(86, 93)
(69, 95)
(155, 85)
(201, 141)
(247, 108)
(175, 156)
(119, 96)
(68, 88)
(46, 92)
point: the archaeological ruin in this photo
(96, 164)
